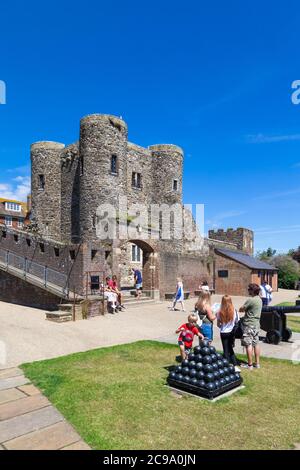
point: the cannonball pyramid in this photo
(205, 373)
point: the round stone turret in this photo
(102, 154)
(46, 187)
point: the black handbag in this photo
(238, 330)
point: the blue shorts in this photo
(207, 330)
(138, 286)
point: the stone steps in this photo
(59, 316)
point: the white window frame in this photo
(13, 206)
(136, 254)
(20, 223)
(8, 220)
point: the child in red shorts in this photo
(187, 332)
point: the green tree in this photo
(288, 271)
(266, 255)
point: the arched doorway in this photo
(138, 254)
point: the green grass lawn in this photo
(116, 399)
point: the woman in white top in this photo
(227, 319)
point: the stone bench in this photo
(171, 295)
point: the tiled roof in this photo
(246, 260)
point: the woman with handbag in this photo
(227, 321)
(206, 316)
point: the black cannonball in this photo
(198, 358)
(220, 364)
(208, 368)
(205, 351)
(179, 377)
(178, 370)
(210, 386)
(232, 378)
(225, 363)
(197, 350)
(212, 349)
(187, 379)
(215, 366)
(207, 360)
(191, 357)
(222, 382)
(216, 374)
(217, 384)
(172, 375)
(193, 373)
(226, 371)
(214, 357)
(237, 375)
(219, 356)
(186, 371)
(185, 363)
(209, 377)
(227, 379)
(194, 381)
(192, 365)
(204, 343)
(199, 366)
(200, 375)
(222, 373)
(201, 383)
(231, 369)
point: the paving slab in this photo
(50, 438)
(10, 394)
(22, 406)
(12, 382)
(29, 422)
(29, 389)
(80, 445)
(12, 372)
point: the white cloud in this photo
(279, 194)
(18, 188)
(267, 139)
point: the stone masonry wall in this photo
(243, 238)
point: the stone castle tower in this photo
(70, 182)
(242, 238)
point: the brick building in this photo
(13, 213)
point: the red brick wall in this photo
(17, 291)
(239, 277)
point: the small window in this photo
(136, 180)
(135, 254)
(223, 273)
(72, 255)
(81, 165)
(175, 185)
(114, 165)
(8, 221)
(16, 238)
(42, 248)
(28, 241)
(107, 253)
(41, 182)
(56, 252)
(3, 234)
(20, 223)
(93, 254)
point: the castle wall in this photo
(70, 194)
(46, 195)
(242, 238)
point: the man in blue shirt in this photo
(138, 281)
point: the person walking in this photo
(266, 293)
(251, 326)
(138, 281)
(179, 295)
(206, 315)
(204, 287)
(227, 319)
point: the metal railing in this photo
(30, 270)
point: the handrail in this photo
(48, 277)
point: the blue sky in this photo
(212, 77)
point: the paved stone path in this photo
(28, 421)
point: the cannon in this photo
(273, 321)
